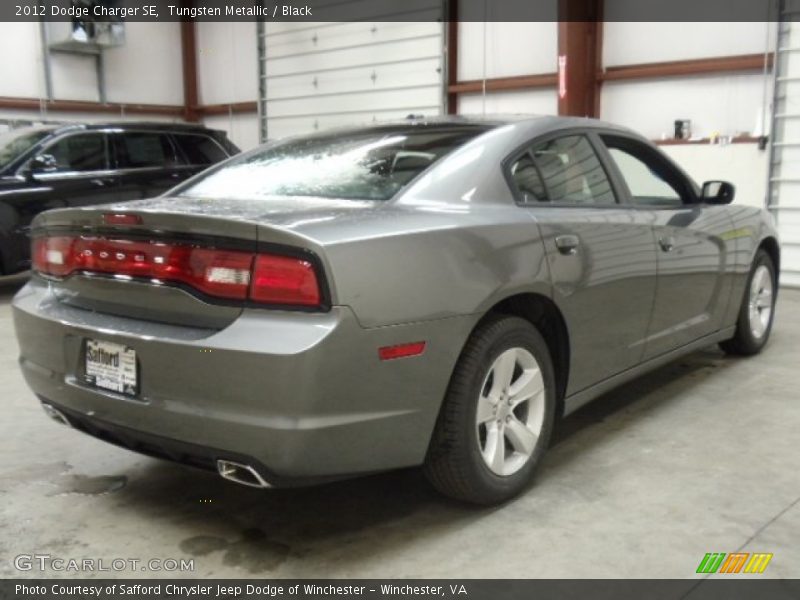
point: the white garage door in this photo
(784, 200)
(322, 75)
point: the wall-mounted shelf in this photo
(741, 139)
(76, 47)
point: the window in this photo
(565, 171)
(200, 149)
(137, 150)
(651, 179)
(81, 152)
(646, 186)
(529, 182)
(371, 164)
(14, 144)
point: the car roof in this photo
(532, 125)
(131, 126)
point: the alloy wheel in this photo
(760, 307)
(510, 411)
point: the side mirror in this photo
(718, 192)
(42, 163)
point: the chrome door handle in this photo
(667, 243)
(568, 244)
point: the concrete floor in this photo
(700, 456)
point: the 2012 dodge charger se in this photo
(433, 292)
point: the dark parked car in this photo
(80, 165)
(434, 293)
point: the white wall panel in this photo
(529, 102)
(294, 125)
(724, 104)
(410, 76)
(129, 70)
(74, 77)
(332, 37)
(20, 68)
(330, 74)
(425, 43)
(148, 68)
(511, 49)
(790, 259)
(785, 176)
(410, 101)
(226, 57)
(789, 231)
(242, 129)
(744, 165)
(634, 43)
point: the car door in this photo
(77, 171)
(21, 199)
(148, 163)
(602, 256)
(72, 170)
(694, 252)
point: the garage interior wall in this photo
(318, 76)
(322, 75)
(726, 104)
(129, 74)
(504, 50)
(227, 76)
(732, 105)
(785, 186)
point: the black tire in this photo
(454, 464)
(745, 342)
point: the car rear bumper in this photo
(301, 396)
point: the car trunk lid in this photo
(142, 230)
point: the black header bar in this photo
(391, 10)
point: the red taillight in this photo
(284, 280)
(230, 274)
(53, 255)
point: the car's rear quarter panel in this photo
(751, 226)
(403, 267)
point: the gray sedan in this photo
(432, 292)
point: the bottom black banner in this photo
(471, 589)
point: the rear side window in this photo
(81, 152)
(137, 150)
(572, 173)
(528, 179)
(359, 165)
(200, 149)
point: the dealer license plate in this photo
(111, 367)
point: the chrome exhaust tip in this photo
(242, 474)
(56, 414)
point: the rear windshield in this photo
(200, 149)
(365, 165)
